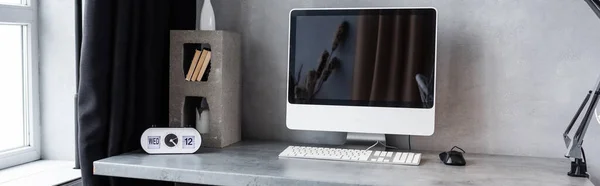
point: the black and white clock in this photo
(171, 140)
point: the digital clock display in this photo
(189, 142)
(154, 142)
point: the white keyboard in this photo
(370, 156)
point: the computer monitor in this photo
(362, 70)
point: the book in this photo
(199, 65)
(193, 65)
(204, 66)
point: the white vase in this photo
(204, 125)
(207, 16)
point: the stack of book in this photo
(198, 68)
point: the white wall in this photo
(57, 78)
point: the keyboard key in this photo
(377, 153)
(397, 157)
(403, 157)
(363, 157)
(323, 156)
(410, 157)
(416, 159)
(389, 154)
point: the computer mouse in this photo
(453, 157)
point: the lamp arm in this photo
(576, 145)
(585, 123)
(595, 6)
(570, 126)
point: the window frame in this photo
(26, 15)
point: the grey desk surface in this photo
(256, 163)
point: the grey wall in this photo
(227, 12)
(57, 78)
(510, 73)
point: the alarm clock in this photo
(171, 140)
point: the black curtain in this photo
(123, 85)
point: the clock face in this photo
(171, 140)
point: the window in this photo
(13, 2)
(19, 111)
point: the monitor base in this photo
(363, 141)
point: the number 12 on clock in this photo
(189, 142)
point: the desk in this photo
(256, 163)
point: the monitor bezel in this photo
(346, 12)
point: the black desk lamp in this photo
(574, 147)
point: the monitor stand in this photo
(363, 141)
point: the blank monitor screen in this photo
(363, 57)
